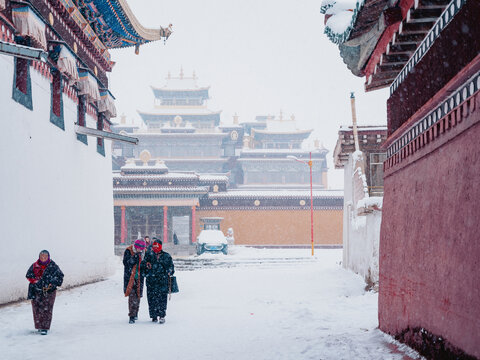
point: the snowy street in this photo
(252, 304)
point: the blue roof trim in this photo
(122, 32)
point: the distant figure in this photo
(133, 278)
(157, 267)
(147, 241)
(44, 277)
(175, 239)
(230, 236)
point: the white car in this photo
(212, 241)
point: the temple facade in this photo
(427, 52)
(57, 110)
(245, 169)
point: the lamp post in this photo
(309, 163)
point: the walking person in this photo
(44, 277)
(133, 278)
(158, 267)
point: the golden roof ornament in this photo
(181, 72)
(235, 119)
(145, 156)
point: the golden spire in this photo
(194, 75)
(235, 119)
(281, 115)
(181, 72)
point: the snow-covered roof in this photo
(364, 128)
(342, 15)
(167, 176)
(175, 110)
(277, 193)
(170, 189)
(187, 135)
(213, 178)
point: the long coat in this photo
(156, 268)
(130, 259)
(52, 275)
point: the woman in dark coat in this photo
(133, 278)
(157, 267)
(44, 277)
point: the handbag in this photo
(172, 285)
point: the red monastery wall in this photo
(429, 247)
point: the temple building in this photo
(57, 108)
(182, 131)
(427, 53)
(235, 171)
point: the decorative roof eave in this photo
(146, 33)
(386, 34)
(333, 35)
(132, 33)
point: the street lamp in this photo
(309, 163)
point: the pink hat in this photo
(140, 244)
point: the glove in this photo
(47, 288)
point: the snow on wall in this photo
(56, 192)
(361, 234)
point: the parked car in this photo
(212, 240)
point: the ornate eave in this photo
(117, 26)
(385, 34)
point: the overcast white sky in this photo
(258, 57)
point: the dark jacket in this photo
(156, 268)
(52, 275)
(130, 259)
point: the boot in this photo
(161, 320)
(132, 320)
(43, 332)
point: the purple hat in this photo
(140, 244)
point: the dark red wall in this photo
(457, 45)
(430, 240)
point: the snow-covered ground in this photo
(251, 304)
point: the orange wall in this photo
(279, 227)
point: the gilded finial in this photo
(181, 72)
(194, 75)
(235, 119)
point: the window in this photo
(100, 141)
(56, 108)
(22, 83)
(82, 109)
